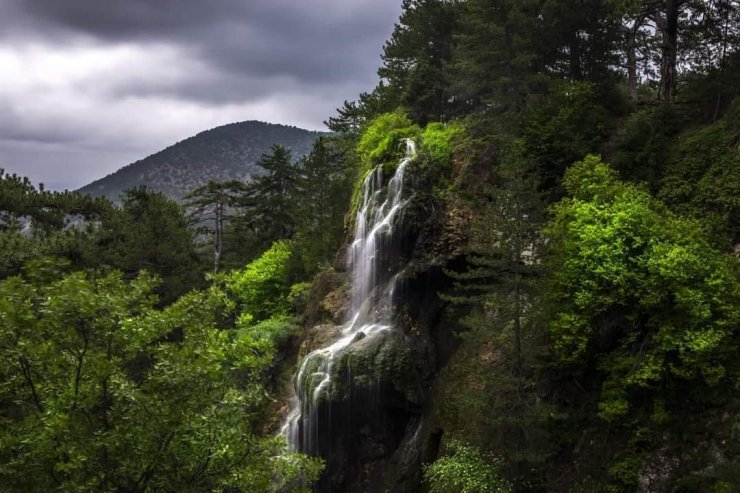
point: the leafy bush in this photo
(465, 470)
(644, 143)
(101, 391)
(262, 288)
(276, 330)
(638, 291)
(298, 296)
(383, 138)
(437, 141)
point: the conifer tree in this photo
(212, 206)
(502, 285)
(415, 58)
(270, 201)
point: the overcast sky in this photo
(88, 86)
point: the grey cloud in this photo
(15, 127)
(286, 61)
(316, 41)
(60, 166)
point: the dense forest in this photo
(536, 217)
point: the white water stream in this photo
(373, 283)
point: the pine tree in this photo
(502, 285)
(324, 188)
(415, 59)
(270, 200)
(212, 205)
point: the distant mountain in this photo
(222, 153)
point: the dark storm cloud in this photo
(312, 41)
(90, 85)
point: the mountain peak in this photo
(228, 152)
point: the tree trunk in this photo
(631, 52)
(669, 50)
(218, 237)
(576, 73)
(723, 54)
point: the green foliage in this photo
(382, 140)
(702, 177)
(276, 330)
(563, 129)
(438, 139)
(415, 59)
(151, 232)
(270, 205)
(101, 391)
(324, 190)
(262, 288)
(36, 223)
(495, 56)
(644, 142)
(211, 206)
(298, 296)
(465, 470)
(639, 291)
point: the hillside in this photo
(222, 153)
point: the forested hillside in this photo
(513, 266)
(229, 152)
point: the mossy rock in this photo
(336, 304)
(381, 359)
(326, 284)
(317, 337)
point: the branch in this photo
(26, 368)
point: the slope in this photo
(222, 153)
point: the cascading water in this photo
(374, 277)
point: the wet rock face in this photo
(382, 359)
(327, 298)
(369, 422)
(318, 337)
(373, 413)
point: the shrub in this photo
(262, 288)
(465, 470)
(644, 143)
(438, 141)
(381, 141)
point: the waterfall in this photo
(374, 278)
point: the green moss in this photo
(382, 140)
(380, 358)
(382, 143)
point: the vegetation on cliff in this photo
(567, 314)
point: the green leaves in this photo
(382, 141)
(262, 288)
(102, 391)
(638, 290)
(465, 470)
(437, 141)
